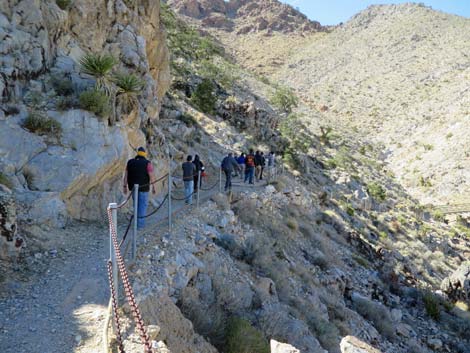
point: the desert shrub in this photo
(100, 67)
(425, 182)
(377, 314)
(376, 191)
(219, 71)
(63, 4)
(327, 333)
(4, 180)
(188, 119)
(242, 337)
(204, 97)
(431, 305)
(437, 215)
(42, 125)
(62, 85)
(95, 101)
(64, 103)
(284, 99)
(292, 224)
(325, 134)
(246, 211)
(128, 87)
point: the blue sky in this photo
(332, 12)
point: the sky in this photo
(332, 12)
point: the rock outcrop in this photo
(9, 243)
(246, 16)
(457, 285)
(75, 174)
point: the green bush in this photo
(204, 97)
(241, 337)
(284, 99)
(377, 191)
(95, 101)
(41, 125)
(62, 85)
(5, 181)
(63, 4)
(431, 304)
(219, 71)
(64, 103)
(128, 86)
(98, 66)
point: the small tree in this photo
(284, 99)
(204, 97)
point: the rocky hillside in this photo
(398, 76)
(334, 256)
(244, 16)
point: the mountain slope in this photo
(398, 75)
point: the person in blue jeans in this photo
(250, 167)
(189, 171)
(139, 170)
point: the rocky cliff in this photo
(243, 16)
(60, 160)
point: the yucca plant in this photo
(128, 86)
(99, 66)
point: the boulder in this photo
(457, 285)
(351, 344)
(277, 347)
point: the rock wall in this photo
(78, 173)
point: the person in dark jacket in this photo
(250, 167)
(139, 170)
(199, 168)
(189, 170)
(241, 164)
(229, 165)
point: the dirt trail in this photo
(62, 309)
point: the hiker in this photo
(229, 165)
(258, 162)
(189, 170)
(139, 170)
(249, 167)
(199, 168)
(262, 165)
(241, 164)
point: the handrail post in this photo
(198, 187)
(112, 251)
(220, 179)
(169, 200)
(136, 219)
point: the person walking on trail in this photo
(139, 170)
(258, 162)
(241, 164)
(229, 165)
(189, 170)
(250, 167)
(271, 160)
(262, 165)
(199, 168)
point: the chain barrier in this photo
(127, 287)
(157, 209)
(127, 231)
(114, 304)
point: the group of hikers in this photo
(139, 170)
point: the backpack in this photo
(250, 161)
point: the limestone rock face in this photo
(350, 344)
(79, 172)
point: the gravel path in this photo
(61, 308)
